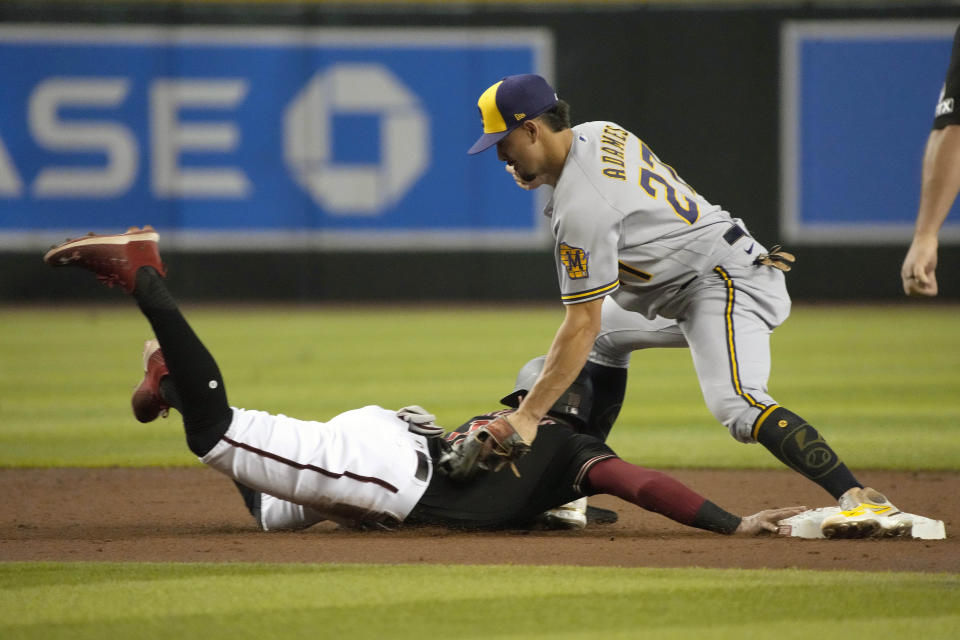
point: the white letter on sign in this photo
(169, 137)
(10, 184)
(113, 140)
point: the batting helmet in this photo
(574, 404)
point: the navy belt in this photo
(734, 234)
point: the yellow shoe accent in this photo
(865, 507)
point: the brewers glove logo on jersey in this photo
(575, 261)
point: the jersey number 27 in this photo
(653, 183)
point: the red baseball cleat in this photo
(147, 402)
(113, 259)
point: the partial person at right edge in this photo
(939, 185)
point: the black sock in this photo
(199, 393)
(609, 387)
(801, 447)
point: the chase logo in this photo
(255, 137)
(574, 260)
(353, 188)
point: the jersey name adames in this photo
(624, 218)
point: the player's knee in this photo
(608, 353)
(204, 433)
(737, 420)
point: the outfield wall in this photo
(807, 122)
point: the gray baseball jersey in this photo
(629, 227)
(624, 219)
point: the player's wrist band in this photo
(713, 518)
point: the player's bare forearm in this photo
(939, 188)
(566, 357)
(941, 179)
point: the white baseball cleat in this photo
(572, 515)
(866, 513)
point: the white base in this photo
(807, 525)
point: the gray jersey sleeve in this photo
(587, 240)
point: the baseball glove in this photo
(485, 449)
(776, 258)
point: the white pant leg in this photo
(623, 332)
(279, 515)
(361, 467)
(728, 321)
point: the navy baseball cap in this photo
(509, 103)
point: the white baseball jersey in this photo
(625, 220)
(362, 468)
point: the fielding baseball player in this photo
(636, 245)
(940, 184)
(370, 467)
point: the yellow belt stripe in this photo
(636, 272)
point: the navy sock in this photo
(609, 388)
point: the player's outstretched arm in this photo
(566, 357)
(658, 492)
(765, 521)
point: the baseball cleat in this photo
(147, 402)
(597, 515)
(113, 259)
(572, 515)
(866, 513)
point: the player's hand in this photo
(766, 521)
(919, 267)
(525, 424)
(487, 448)
(524, 184)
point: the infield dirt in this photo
(194, 514)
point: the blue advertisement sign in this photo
(259, 137)
(858, 105)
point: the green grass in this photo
(371, 601)
(880, 382)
